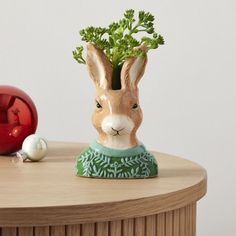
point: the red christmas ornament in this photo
(18, 118)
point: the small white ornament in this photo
(34, 148)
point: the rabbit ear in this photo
(99, 67)
(132, 71)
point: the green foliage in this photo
(77, 54)
(117, 40)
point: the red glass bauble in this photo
(18, 118)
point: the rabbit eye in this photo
(135, 106)
(98, 105)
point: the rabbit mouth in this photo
(117, 132)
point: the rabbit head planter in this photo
(116, 153)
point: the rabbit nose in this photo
(117, 127)
(117, 123)
(114, 122)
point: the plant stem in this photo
(135, 27)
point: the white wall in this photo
(188, 92)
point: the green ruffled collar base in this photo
(98, 161)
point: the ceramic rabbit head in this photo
(117, 114)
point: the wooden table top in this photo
(48, 192)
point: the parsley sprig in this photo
(118, 41)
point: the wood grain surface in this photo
(162, 224)
(48, 192)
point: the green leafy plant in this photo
(118, 41)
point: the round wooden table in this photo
(46, 198)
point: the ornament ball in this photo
(34, 148)
(18, 118)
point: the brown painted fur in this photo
(115, 102)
